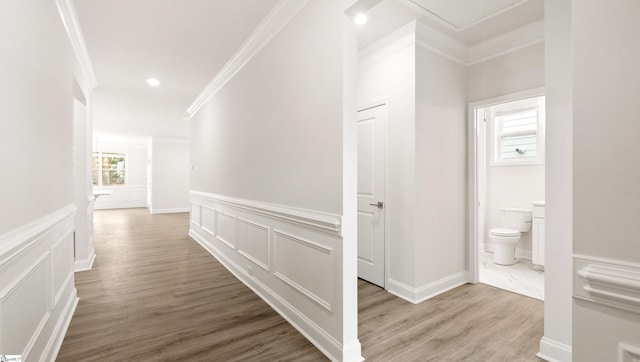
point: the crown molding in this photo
(428, 13)
(442, 44)
(72, 25)
(271, 25)
(398, 39)
(525, 36)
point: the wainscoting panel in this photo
(288, 256)
(123, 197)
(208, 221)
(37, 295)
(313, 272)
(254, 242)
(226, 228)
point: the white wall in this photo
(510, 186)
(440, 161)
(134, 192)
(513, 72)
(83, 195)
(267, 185)
(37, 293)
(556, 343)
(426, 205)
(389, 73)
(170, 174)
(606, 89)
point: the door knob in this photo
(379, 204)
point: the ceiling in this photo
(468, 21)
(184, 43)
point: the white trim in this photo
(520, 38)
(176, 140)
(281, 14)
(72, 25)
(85, 264)
(440, 43)
(326, 304)
(472, 172)
(398, 39)
(554, 351)
(267, 266)
(11, 243)
(326, 222)
(427, 291)
(628, 353)
(170, 211)
(60, 330)
(318, 337)
(428, 13)
(608, 282)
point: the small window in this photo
(109, 169)
(519, 132)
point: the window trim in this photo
(100, 170)
(534, 102)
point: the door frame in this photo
(472, 172)
(367, 106)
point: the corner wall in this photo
(268, 151)
(606, 89)
(37, 293)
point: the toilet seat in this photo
(504, 232)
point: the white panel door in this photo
(372, 135)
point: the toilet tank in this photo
(518, 219)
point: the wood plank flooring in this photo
(155, 295)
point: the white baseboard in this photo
(37, 285)
(60, 330)
(319, 338)
(427, 291)
(553, 351)
(85, 264)
(169, 211)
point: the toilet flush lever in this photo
(379, 204)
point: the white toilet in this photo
(505, 238)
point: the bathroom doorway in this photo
(506, 153)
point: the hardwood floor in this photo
(155, 295)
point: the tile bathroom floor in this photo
(519, 278)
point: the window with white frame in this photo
(109, 169)
(519, 132)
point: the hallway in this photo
(155, 294)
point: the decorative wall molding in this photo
(429, 38)
(37, 293)
(426, 12)
(326, 222)
(123, 197)
(554, 351)
(514, 40)
(271, 25)
(440, 43)
(289, 277)
(608, 282)
(170, 211)
(72, 25)
(396, 40)
(288, 256)
(85, 264)
(427, 291)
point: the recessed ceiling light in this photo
(153, 82)
(360, 19)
